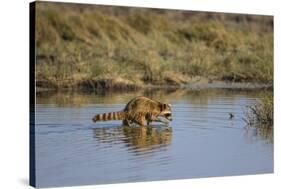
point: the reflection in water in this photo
(67, 98)
(145, 138)
(203, 141)
(264, 132)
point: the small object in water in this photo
(231, 115)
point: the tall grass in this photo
(76, 43)
(261, 113)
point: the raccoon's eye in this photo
(168, 115)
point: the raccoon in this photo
(140, 110)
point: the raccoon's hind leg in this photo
(127, 122)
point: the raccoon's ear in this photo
(163, 107)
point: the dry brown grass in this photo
(83, 43)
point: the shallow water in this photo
(201, 141)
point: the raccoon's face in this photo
(166, 111)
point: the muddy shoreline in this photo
(110, 85)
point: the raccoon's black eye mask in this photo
(168, 115)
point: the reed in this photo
(261, 113)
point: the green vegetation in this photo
(261, 113)
(89, 46)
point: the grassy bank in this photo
(83, 46)
(261, 113)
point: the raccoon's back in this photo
(141, 105)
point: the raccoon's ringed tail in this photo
(94, 119)
(109, 116)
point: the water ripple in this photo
(70, 148)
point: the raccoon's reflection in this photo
(143, 137)
(138, 137)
